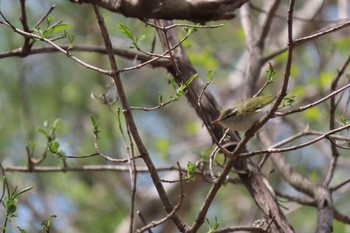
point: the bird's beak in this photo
(217, 121)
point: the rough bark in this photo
(252, 177)
(194, 10)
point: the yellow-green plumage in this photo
(245, 113)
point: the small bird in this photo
(246, 113)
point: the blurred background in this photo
(39, 89)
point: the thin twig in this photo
(156, 58)
(133, 176)
(153, 108)
(143, 220)
(183, 25)
(296, 199)
(191, 93)
(341, 217)
(304, 39)
(303, 108)
(176, 208)
(88, 168)
(66, 52)
(199, 102)
(337, 145)
(338, 186)
(317, 20)
(268, 22)
(212, 156)
(45, 16)
(295, 147)
(332, 109)
(240, 229)
(233, 156)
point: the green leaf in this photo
(53, 147)
(173, 83)
(48, 20)
(10, 201)
(38, 31)
(191, 30)
(213, 227)
(93, 120)
(287, 101)
(11, 207)
(270, 73)
(21, 230)
(59, 27)
(45, 224)
(56, 124)
(191, 170)
(22, 191)
(43, 131)
(140, 38)
(175, 88)
(71, 39)
(210, 76)
(343, 121)
(126, 31)
(182, 89)
(95, 125)
(160, 98)
(190, 80)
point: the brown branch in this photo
(87, 168)
(44, 16)
(66, 52)
(176, 208)
(268, 22)
(133, 175)
(255, 46)
(341, 217)
(240, 228)
(125, 53)
(300, 201)
(338, 186)
(295, 147)
(182, 70)
(197, 11)
(153, 108)
(295, 18)
(303, 108)
(332, 121)
(23, 18)
(252, 178)
(164, 53)
(132, 126)
(305, 39)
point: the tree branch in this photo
(132, 125)
(197, 11)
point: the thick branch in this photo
(253, 179)
(197, 11)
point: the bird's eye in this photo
(229, 113)
(232, 114)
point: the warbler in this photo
(245, 113)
